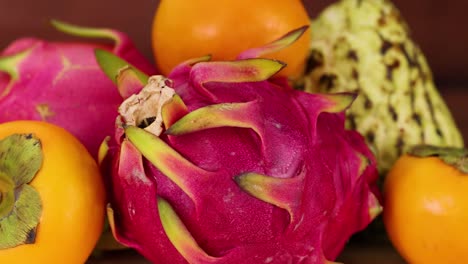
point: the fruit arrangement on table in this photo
(258, 135)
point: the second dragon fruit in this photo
(61, 82)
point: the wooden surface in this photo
(351, 255)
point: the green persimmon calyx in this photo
(20, 204)
(453, 156)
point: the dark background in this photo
(439, 27)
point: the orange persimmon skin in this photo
(72, 194)
(185, 29)
(426, 210)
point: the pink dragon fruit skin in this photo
(61, 82)
(220, 164)
(254, 173)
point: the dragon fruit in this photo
(61, 82)
(219, 162)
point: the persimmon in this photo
(186, 29)
(426, 205)
(61, 209)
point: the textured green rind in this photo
(112, 65)
(365, 47)
(180, 237)
(19, 227)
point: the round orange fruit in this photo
(72, 198)
(185, 29)
(426, 210)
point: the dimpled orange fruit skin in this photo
(72, 194)
(186, 29)
(426, 210)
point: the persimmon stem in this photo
(7, 195)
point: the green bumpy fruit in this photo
(365, 46)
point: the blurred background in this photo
(439, 27)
